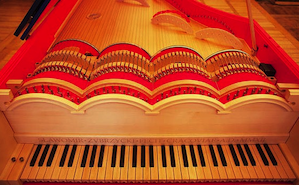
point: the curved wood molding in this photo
(131, 84)
(146, 107)
(221, 36)
(177, 21)
(258, 98)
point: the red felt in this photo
(240, 77)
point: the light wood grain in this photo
(7, 147)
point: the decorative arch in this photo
(84, 47)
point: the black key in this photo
(270, 154)
(233, 152)
(52, 154)
(134, 157)
(184, 154)
(215, 162)
(163, 156)
(34, 158)
(151, 155)
(101, 156)
(265, 160)
(172, 158)
(252, 161)
(84, 158)
(93, 155)
(62, 160)
(202, 159)
(43, 157)
(192, 153)
(71, 159)
(221, 154)
(244, 160)
(122, 156)
(114, 156)
(142, 156)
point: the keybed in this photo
(183, 163)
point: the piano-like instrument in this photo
(148, 91)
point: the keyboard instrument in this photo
(183, 163)
(148, 91)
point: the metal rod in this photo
(253, 40)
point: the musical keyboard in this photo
(142, 164)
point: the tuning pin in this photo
(188, 88)
(51, 91)
(194, 89)
(235, 96)
(268, 91)
(246, 91)
(191, 91)
(104, 90)
(253, 90)
(49, 87)
(119, 89)
(43, 89)
(200, 92)
(58, 90)
(107, 91)
(95, 92)
(113, 90)
(68, 93)
(19, 93)
(34, 88)
(27, 91)
(179, 90)
(184, 91)
(138, 94)
(161, 96)
(238, 91)
(72, 99)
(170, 92)
(228, 97)
(209, 94)
(166, 96)
(260, 90)
(78, 100)
(128, 90)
